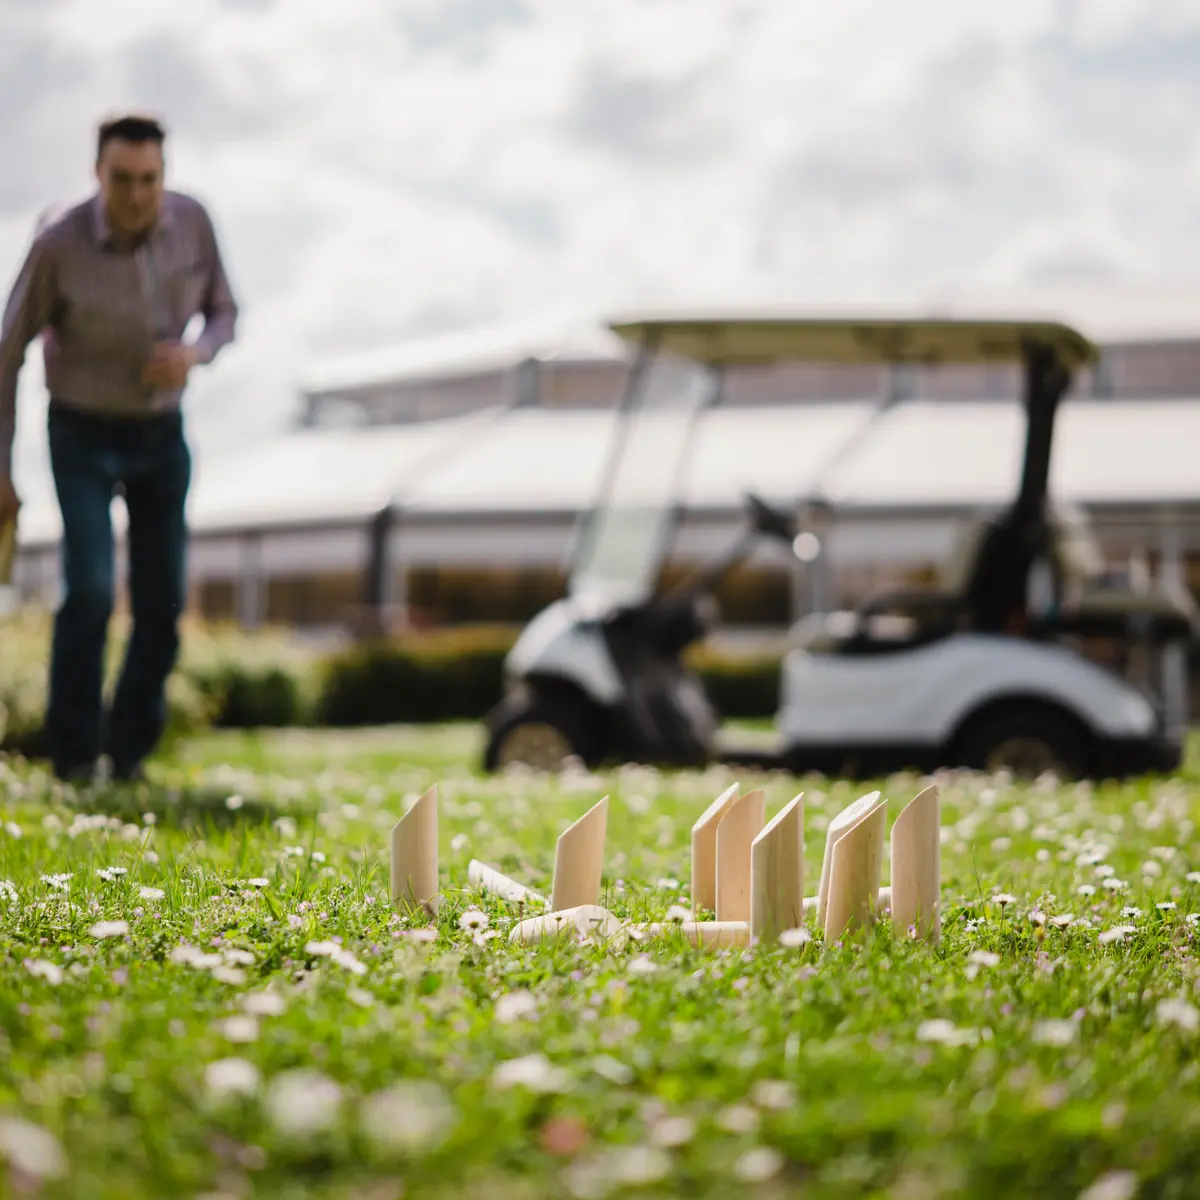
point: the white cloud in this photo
(378, 172)
(1104, 24)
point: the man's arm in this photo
(219, 307)
(29, 310)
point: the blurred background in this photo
(429, 208)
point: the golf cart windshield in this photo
(627, 534)
(681, 356)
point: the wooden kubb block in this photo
(579, 860)
(708, 935)
(496, 883)
(916, 866)
(414, 857)
(583, 919)
(777, 874)
(736, 831)
(704, 851)
(854, 850)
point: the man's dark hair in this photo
(132, 128)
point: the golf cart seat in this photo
(1079, 597)
(899, 618)
(939, 602)
(1096, 602)
(852, 632)
(1159, 616)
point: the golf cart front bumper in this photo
(1159, 754)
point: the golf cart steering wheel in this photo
(769, 521)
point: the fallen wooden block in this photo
(777, 874)
(736, 831)
(579, 860)
(414, 859)
(584, 918)
(706, 934)
(704, 851)
(490, 880)
(884, 901)
(916, 866)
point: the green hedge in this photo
(251, 680)
(458, 675)
(739, 688)
(230, 679)
(224, 678)
(450, 676)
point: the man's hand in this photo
(169, 365)
(10, 502)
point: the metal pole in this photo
(1174, 656)
(250, 583)
(799, 593)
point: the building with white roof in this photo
(473, 458)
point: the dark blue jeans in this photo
(147, 460)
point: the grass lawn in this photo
(205, 994)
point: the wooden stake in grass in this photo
(736, 832)
(916, 866)
(840, 823)
(579, 860)
(704, 851)
(777, 874)
(414, 867)
(854, 874)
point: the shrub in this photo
(225, 677)
(24, 664)
(251, 680)
(231, 678)
(458, 675)
(23, 649)
(424, 678)
(743, 688)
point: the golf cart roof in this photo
(761, 339)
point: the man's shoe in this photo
(131, 774)
(80, 775)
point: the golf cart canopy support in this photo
(758, 340)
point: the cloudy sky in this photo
(381, 170)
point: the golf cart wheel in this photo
(534, 732)
(1026, 740)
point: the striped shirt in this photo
(100, 309)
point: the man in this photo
(112, 283)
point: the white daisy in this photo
(473, 919)
(109, 929)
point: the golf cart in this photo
(982, 671)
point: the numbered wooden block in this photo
(777, 874)
(488, 879)
(414, 860)
(854, 875)
(916, 866)
(840, 823)
(582, 919)
(736, 832)
(704, 851)
(579, 860)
